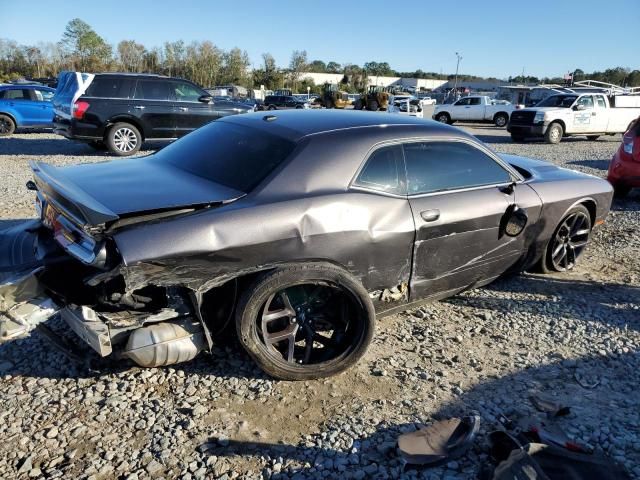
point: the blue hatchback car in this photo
(25, 106)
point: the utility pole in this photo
(455, 85)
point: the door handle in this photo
(139, 107)
(430, 215)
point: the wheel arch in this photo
(501, 113)
(12, 117)
(561, 123)
(124, 119)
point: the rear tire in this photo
(554, 133)
(272, 107)
(123, 139)
(309, 301)
(501, 120)
(517, 138)
(7, 125)
(593, 138)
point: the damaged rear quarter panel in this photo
(304, 212)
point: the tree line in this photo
(82, 49)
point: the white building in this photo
(418, 83)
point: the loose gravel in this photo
(483, 351)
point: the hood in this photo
(103, 192)
(544, 109)
(541, 170)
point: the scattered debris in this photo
(549, 406)
(439, 442)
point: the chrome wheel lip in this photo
(570, 240)
(125, 139)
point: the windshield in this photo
(562, 101)
(235, 156)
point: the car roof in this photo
(13, 86)
(296, 124)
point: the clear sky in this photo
(545, 37)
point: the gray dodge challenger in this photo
(299, 227)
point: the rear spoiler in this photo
(75, 202)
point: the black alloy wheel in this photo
(569, 240)
(302, 323)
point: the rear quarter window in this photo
(105, 87)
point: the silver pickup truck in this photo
(475, 108)
(590, 114)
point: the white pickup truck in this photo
(590, 114)
(477, 108)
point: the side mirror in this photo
(579, 107)
(513, 221)
(205, 98)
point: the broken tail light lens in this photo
(79, 109)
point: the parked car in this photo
(299, 227)
(405, 105)
(476, 108)
(567, 114)
(25, 106)
(624, 169)
(428, 101)
(283, 102)
(119, 111)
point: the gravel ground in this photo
(482, 351)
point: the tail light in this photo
(79, 109)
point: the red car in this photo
(624, 169)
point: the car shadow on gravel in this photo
(15, 145)
(604, 416)
(582, 300)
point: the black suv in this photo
(275, 102)
(119, 111)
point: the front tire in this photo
(443, 118)
(554, 133)
(7, 125)
(123, 139)
(517, 138)
(568, 241)
(501, 120)
(305, 322)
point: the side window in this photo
(109, 87)
(383, 171)
(43, 95)
(441, 166)
(586, 101)
(16, 94)
(600, 102)
(185, 92)
(152, 90)
(462, 101)
(474, 101)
